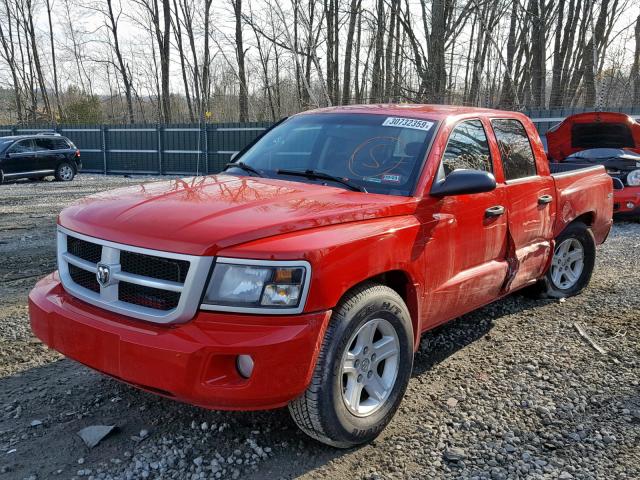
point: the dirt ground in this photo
(510, 391)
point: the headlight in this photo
(633, 178)
(257, 286)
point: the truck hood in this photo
(202, 215)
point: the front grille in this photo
(160, 287)
(84, 278)
(147, 296)
(154, 267)
(91, 252)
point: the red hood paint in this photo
(559, 145)
(202, 215)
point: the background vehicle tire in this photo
(572, 264)
(362, 370)
(65, 172)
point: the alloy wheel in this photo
(567, 263)
(370, 367)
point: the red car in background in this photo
(610, 139)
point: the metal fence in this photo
(178, 149)
(154, 149)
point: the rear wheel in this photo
(65, 172)
(362, 370)
(572, 264)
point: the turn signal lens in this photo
(284, 295)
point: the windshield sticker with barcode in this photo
(407, 123)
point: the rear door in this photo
(20, 158)
(50, 152)
(529, 190)
(472, 234)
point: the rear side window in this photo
(517, 156)
(601, 135)
(467, 148)
(51, 144)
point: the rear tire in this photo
(572, 263)
(362, 371)
(65, 172)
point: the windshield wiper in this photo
(322, 176)
(244, 166)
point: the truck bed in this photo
(560, 168)
(583, 190)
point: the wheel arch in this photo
(403, 284)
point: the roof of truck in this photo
(435, 112)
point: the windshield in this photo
(4, 143)
(381, 153)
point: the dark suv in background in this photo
(38, 156)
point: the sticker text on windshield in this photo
(407, 123)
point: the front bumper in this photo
(626, 201)
(193, 362)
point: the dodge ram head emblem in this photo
(103, 274)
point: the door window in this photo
(43, 144)
(467, 148)
(517, 156)
(23, 146)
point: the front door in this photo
(20, 158)
(530, 199)
(471, 233)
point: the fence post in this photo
(160, 130)
(103, 130)
(205, 167)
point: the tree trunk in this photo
(122, 66)
(635, 70)
(243, 97)
(377, 79)
(36, 59)
(177, 31)
(346, 71)
(538, 50)
(165, 53)
(508, 96)
(437, 68)
(388, 87)
(56, 88)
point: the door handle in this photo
(544, 199)
(494, 211)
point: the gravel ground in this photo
(509, 391)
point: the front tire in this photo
(65, 172)
(362, 371)
(572, 264)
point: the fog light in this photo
(630, 205)
(244, 364)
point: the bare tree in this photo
(243, 97)
(635, 69)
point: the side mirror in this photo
(617, 183)
(233, 156)
(461, 182)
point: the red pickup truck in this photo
(305, 273)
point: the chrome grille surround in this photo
(108, 297)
